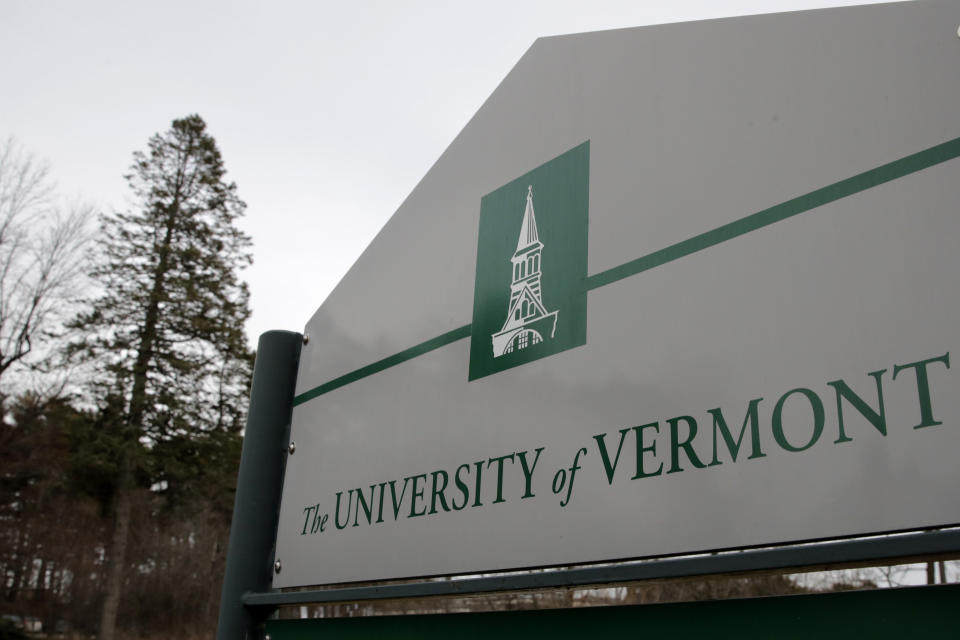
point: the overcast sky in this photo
(327, 113)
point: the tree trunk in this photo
(117, 554)
(214, 585)
(40, 588)
(134, 427)
(18, 562)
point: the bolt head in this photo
(277, 566)
(306, 338)
(292, 447)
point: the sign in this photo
(673, 289)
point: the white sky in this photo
(327, 113)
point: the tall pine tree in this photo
(167, 334)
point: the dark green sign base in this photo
(929, 611)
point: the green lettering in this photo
(877, 418)
(414, 494)
(499, 462)
(610, 469)
(528, 472)
(438, 493)
(733, 446)
(462, 486)
(687, 445)
(476, 499)
(306, 520)
(923, 387)
(383, 492)
(336, 516)
(393, 496)
(367, 510)
(642, 449)
(818, 417)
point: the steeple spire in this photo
(528, 231)
(528, 322)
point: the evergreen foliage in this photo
(166, 340)
(114, 517)
(168, 330)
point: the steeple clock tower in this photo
(527, 318)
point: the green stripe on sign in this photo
(386, 363)
(836, 191)
(831, 193)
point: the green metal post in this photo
(259, 482)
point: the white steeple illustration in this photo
(528, 322)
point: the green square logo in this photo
(529, 300)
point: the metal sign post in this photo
(257, 503)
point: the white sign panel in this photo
(673, 289)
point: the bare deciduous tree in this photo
(42, 254)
